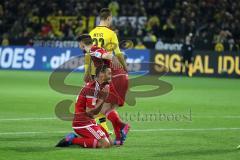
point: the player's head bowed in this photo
(84, 41)
(103, 73)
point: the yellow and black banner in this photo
(204, 63)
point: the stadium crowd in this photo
(212, 22)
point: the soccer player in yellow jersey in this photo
(103, 36)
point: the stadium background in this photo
(156, 25)
(40, 36)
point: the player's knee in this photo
(106, 145)
(102, 143)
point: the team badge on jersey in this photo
(97, 54)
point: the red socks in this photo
(85, 142)
(113, 116)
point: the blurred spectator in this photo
(16, 29)
(169, 30)
(139, 45)
(231, 44)
(114, 7)
(79, 28)
(150, 37)
(220, 39)
(219, 47)
(153, 25)
(46, 29)
(222, 36)
(170, 20)
(5, 41)
(126, 30)
(183, 28)
(1, 10)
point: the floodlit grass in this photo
(198, 119)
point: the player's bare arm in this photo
(121, 59)
(118, 52)
(87, 66)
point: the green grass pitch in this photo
(29, 128)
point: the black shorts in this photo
(187, 57)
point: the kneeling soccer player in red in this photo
(89, 103)
(118, 85)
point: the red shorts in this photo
(118, 89)
(94, 131)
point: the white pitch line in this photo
(26, 133)
(133, 130)
(226, 117)
(27, 119)
(185, 129)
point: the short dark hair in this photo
(105, 13)
(85, 38)
(101, 69)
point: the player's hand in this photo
(103, 94)
(87, 78)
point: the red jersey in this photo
(86, 99)
(96, 56)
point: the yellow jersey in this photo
(103, 37)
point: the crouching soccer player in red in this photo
(89, 103)
(118, 85)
